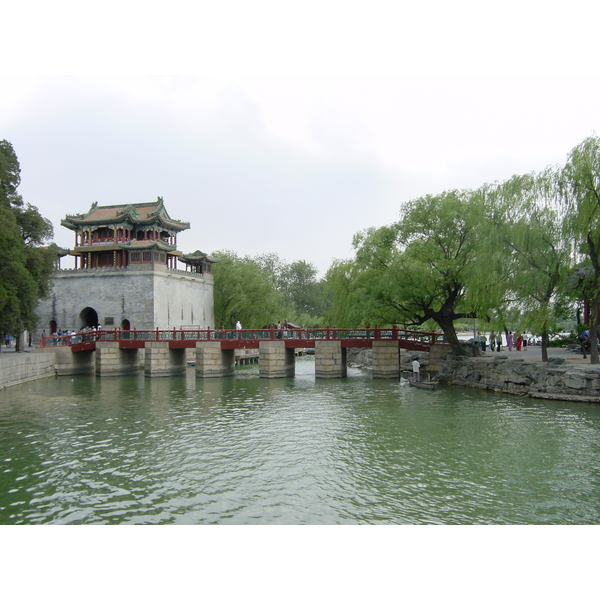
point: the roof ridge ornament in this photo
(160, 208)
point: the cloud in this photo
(219, 167)
(289, 127)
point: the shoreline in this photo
(567, 376)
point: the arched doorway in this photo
(88, 317)
(125, 325)
(53, 327)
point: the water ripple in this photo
(245, 450)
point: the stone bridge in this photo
(212, 351)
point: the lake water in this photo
(245, 450)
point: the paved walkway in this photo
(533, 354)
(8, 351)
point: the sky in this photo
(287, 127)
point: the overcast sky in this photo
(287, 127)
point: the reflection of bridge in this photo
(165, 350)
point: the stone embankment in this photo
(566, 376)
(554, 380)
(20, 367)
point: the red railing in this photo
(213, 335)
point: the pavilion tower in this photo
(126, 274)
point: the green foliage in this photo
(25, 269)
(262, 290)
(244, 292)
(503, 253)
(10, 176)
(581, 197)
(339, 295)
(298, 283)
(525, 227)
(425, 270)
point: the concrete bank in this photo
(20, 367)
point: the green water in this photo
(245, 450)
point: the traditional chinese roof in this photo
(197, 257)
(131, 245)
(145, 214)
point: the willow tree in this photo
(526, 228)
(428, 267)
(339, 292)
(244, 292)
(581, 197)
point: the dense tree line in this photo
(259, 291)
(26, 266)
(516, 253)
(519, 253)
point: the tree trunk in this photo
(447, 327)
(594, 360)
(544, 346)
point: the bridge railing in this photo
(206, 335)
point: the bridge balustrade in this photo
(311, 335)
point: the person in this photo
(499, 341)
(524, 343)
(519, 341)
(509, 341)
(492, 341)
(279, 332)
(238, 325)
(584, 342)
(416, 366)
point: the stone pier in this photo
(437, 357)
(111, 360)
(275, 360)
(162, 361)
(330, 360)
(211, 361)
(386, 359)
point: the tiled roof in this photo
(144, 214)
(197, 256)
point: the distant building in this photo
(127, 276)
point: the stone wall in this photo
(148, 296)
(20, 367)
(553, 381)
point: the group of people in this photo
(279, 327)
(513, 340)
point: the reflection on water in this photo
(250, 450)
